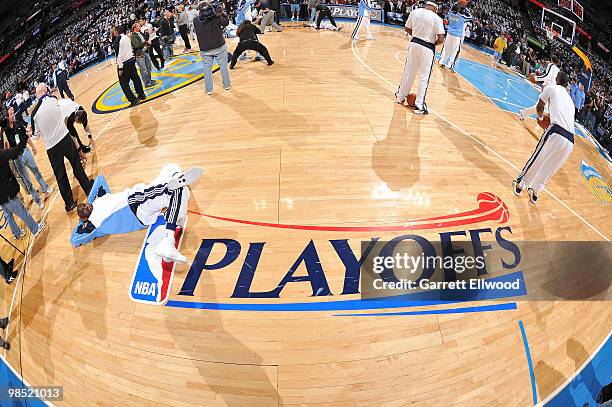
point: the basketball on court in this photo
(411, 100)
(244, 203)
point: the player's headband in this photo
(431, 3)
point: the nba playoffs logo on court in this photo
(181, 71)
(153, 276)
(597, 184)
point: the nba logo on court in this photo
(152, 275)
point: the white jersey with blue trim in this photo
(549, 77)
(366, 7)
(457, 17)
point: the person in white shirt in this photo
(150, 34)
(126, 67)
(73, 113)
(427, 31)
(548, 78)
(555, 145)
(47, 121)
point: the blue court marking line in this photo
(584, 385)
(419, 299)
(10, 379)
(462, 310)
(529, 363)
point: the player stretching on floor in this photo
(145, 203)
(427, 30)
(555, 145)
(458, 15)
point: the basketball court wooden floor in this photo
(315, 140)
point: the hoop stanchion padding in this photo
(122, 221)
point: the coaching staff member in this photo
(126, 66)
(47, 121)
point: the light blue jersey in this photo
(365, 5)
(243, 7)
(457, 17)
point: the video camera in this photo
(214, 9)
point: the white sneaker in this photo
(522, 115)
(41, 225)
(167, 251)
(187, 178)
(41, 205)
(49, 189)
(21, 234)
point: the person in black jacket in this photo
(209, 27)
(10, 203)
(166, 32)
(60, 78)
(324, 11)
(247, 32)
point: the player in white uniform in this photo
(427, 31)
(548, 78)
(146, 202)
(555, 145)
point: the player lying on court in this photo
(140, 206)
(555, 145)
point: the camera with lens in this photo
(211, 10)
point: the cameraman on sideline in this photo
(209, 27)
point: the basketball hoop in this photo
(551, 34)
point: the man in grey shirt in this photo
(183, 26)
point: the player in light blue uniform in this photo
(366, 7)
(243, 11)
(458, 16)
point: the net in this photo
(558, 26)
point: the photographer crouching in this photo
(209, 27)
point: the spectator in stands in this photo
(577, 94)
